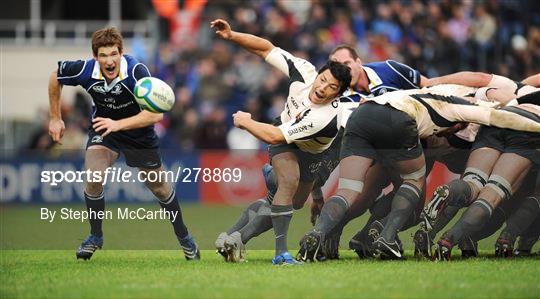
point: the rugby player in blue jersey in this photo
(119, 126)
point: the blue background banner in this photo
(21, 178)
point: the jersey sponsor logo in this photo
(99, 89)
(97, 139)
(115, 107)
(300, 129)
(314, 167)
(295, 104)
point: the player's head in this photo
(348, 56)
(333, 79)
(107, 47)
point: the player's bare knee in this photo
(288, 181)
(349, 195)
(93, 188)
(416, 177)
(476, 179)
(460, 193)
(497, 189)
(161, 190)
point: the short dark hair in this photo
(107, 37)
(341, 72)
(352, 51)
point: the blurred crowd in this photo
(213, 78)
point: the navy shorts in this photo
(140, 152)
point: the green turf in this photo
(164, 274)
(29, 273)
(21, 228)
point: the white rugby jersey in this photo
(517, 88)
(437, 109)
(310, 126)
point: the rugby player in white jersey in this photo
(459, 193)
(306, 128)
(388, 128)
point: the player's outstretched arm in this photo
(254, 44)
(533, 80)
(56, 124)
(105, 126)
(261, 131)
(471, 79)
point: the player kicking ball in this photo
(119, 125)
(306, 128)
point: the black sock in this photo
(95, 204)
(412, 221)
(281, 217)
(332, 213)
(492, 225)
(530, 236)
(525, 214)
(338, 228)
(171, 205)
(404, 203)
(247, 215)
(261, 223)
(444, 217)
(382, 206)
(362, 234)
(471, 221)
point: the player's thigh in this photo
(287, 168)
(352, 176)
(287, 171)
(483, 159)
(375, 181)
(412, 170)
(507, 171)
(511, 167)
(98, 158)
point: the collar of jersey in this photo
(374, 79)
(96, 73)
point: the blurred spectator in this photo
(214, 79)
(483, 29)
(212, 132)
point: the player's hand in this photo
(240, 117)
(223, 29)
(106, 125)
(316, 207)
(56, 129)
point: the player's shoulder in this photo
(134, 68)
(133, 62)
(375, 65)
(75, 68)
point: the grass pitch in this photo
(164, 274)
(135, 272)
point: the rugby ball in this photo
(154, 95)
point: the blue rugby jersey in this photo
(115, 100)
(390, 75)
(385, 76)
